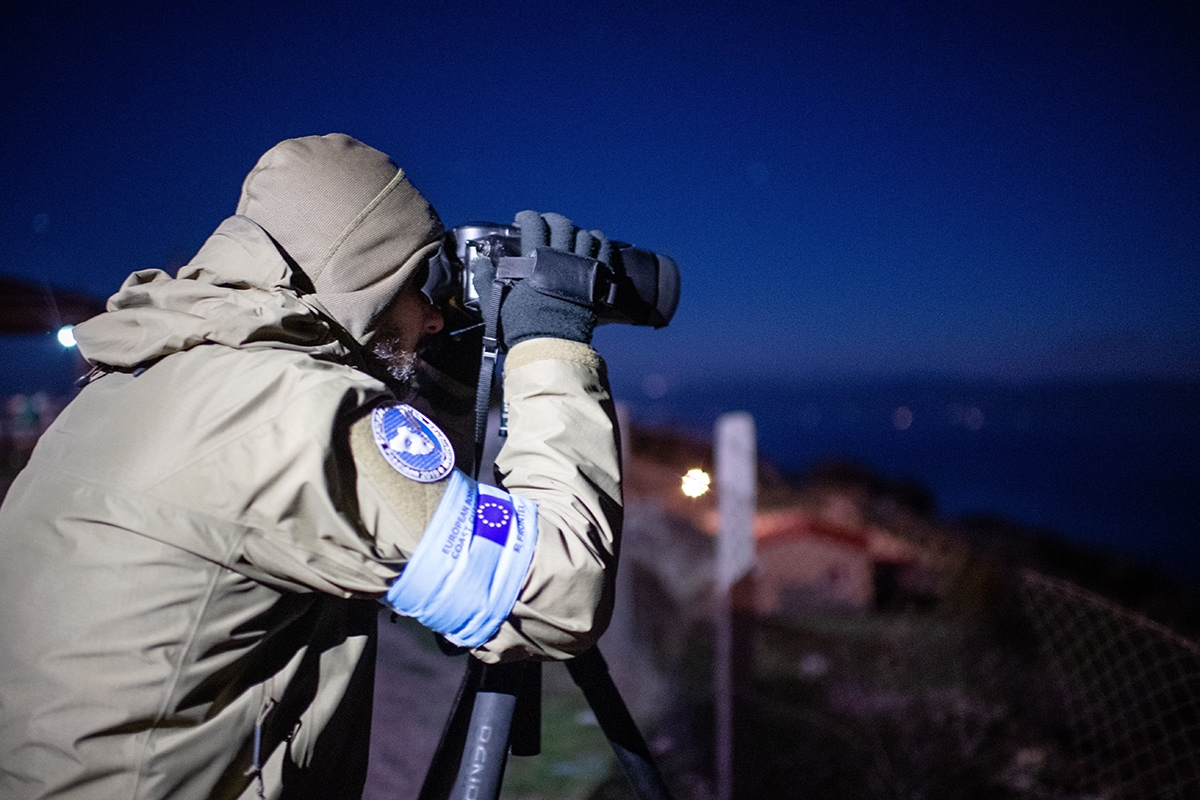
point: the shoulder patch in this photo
(411, 443)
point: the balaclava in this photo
(348, 216)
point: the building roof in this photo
(27, 307)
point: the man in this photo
(191, 563)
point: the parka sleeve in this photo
(562, 453)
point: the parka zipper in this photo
(255, 769)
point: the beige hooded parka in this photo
(192, 558)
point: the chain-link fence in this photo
(1132, 691)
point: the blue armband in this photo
(466, 574)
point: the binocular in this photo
(635, 287)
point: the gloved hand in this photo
(526, 313)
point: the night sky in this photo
(1004, 191)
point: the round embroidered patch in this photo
(411, 443)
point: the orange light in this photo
(696, 482)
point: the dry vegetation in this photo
(938, 690)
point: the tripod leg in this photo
(485, 746)
(590, 673)
(446, 759)
(527, 716)
(486, 751)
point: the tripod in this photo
(499, 707)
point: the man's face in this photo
(402, 326)
(410, 317)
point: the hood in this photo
(348, 217)
(237, 292)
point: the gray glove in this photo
(526, 313)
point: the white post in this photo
(736, 457)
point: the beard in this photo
(397, 362)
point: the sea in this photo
(1112, 464)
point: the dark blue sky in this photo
(1007, 190)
